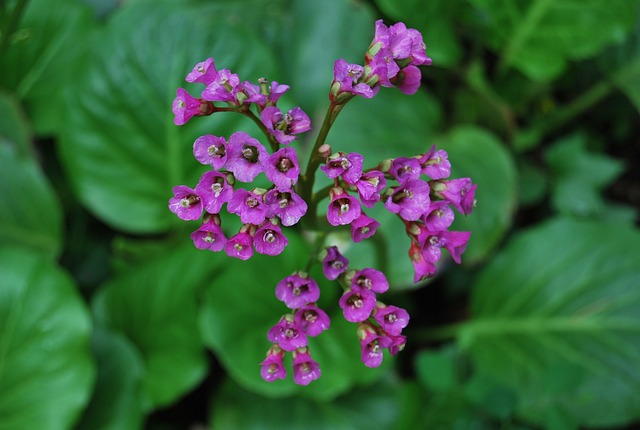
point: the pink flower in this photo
(239, 245)
(435, 164)
(287, 334)
(371, 345)
(186, 107)
(392, 319)
(203, 72)
(222, 88)
(363, 227)
(343, 208)
(358, 304)
(248, 205)
(209, 235)
(269, 239)
(334, 263)
(305, 368)
(460, 193)
(369, 187)
(285, 127)
(409, 200)
(211, 150)
(312, 319)
(349, 166)
(282, 168)
(272, 366)
(369, 279)
(297, 290)
(185, 203)
(246, 156)
(214, 191)
(286, 205)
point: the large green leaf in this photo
(46, 367)
(45, 57)
(538, 37)
(121, 150)
(155, 306)
(556, 319)
(30, 213)
(240, 307)
(13, 124)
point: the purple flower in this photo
(397, 344)
(286, 205)
(405, 169)
(186, 107)
(287, 334)
(422, 267)
(371, 347)
(222, 88)
(435, 164)
(392, 319)
(297, 290)
(369, 187)
(203, 72)
(312, 320)
(282, 168)
(453, 241)
(358, 304)
(209, 235)
(214, 191)
(334, 263)
(211, 150)
(409, 200)
(363, 227)
(439, 217)
(305, 369)
(369, 279)
(408, 80)
(248, 205)
(246, 156)
(349, 166)
(285, 127)
(269, 239)
(343, 208)
(272, 367)
(460, 193)
(347, 79)
(239, 245)
(185, 203)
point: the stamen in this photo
(344, 207)
(269, 237)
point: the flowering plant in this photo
(424, 206)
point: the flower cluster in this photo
(241, 158)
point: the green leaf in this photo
(13, 125)
(46, 368)
(121, 149)
(45, 57)
(561, 301)
(479, 155)
(117, 400)
(363, 408)
(578, 176)
(539, 37)
(30, 214)
(437, 370)
(240, 307)
(154, 305)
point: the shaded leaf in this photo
(13, 125)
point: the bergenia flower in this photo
(369, 279)
(211, 150)
(408, 80)
(305, 368)
(246, 156)
(422, 268)
(287, 334)
(363, 227)
(222, 88)
(248, 205)
(204, 72)
(312, 319)
(392, 319)
(185, 203)
(185, 107)
(409, 200)
(357, 305)
(405, 169)
(273, 367)
(369, 187)
(214, 191)
(334, 263)
(282, 168)
(372, 345)
(435, 164)
(209, 235)
(268, 238)
(460, 193)
(397, 344)
(349, 166)
(239, 245)
(439, 217)
(285, 127)
(286, 205)
(297, 290)
(343, 208)
(347, 79)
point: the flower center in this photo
(391, 318)
(310, 316)
(344, 208)
(250, 153)
(238, 247)
(216, 188)
(208, 238)
(337, 264)
(252, 202)
(285, 164)
(216, 151)
(200, 69)
(269, 237)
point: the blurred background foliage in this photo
(110, 319)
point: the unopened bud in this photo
(324, 151)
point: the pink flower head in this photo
(305, 368)
(285, 127)
(248, 205)
(439, 217)
(282, 168)
(358, 304)
(185, 203)
(453, 241)
(214, 191)
(363, 227)
(349, 166)
(287, 334)
(435, 164)
(269, 239)
(185, 107)
(343, 208)
(297, 290)
(209, 235)
(392, 319)
(334, 263)
(222, 88)
(397, 344)
(312, 320)
(273, 367)
(460, 193)
(369, 279)
(246, 156)
(203, 72)
(405, 169)
(211, 150)
(371, 345)
(369, 187)
(239, 245)
(409, 200)
(347, 78)
(423, 268)
(286, 205)
(408, 80)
